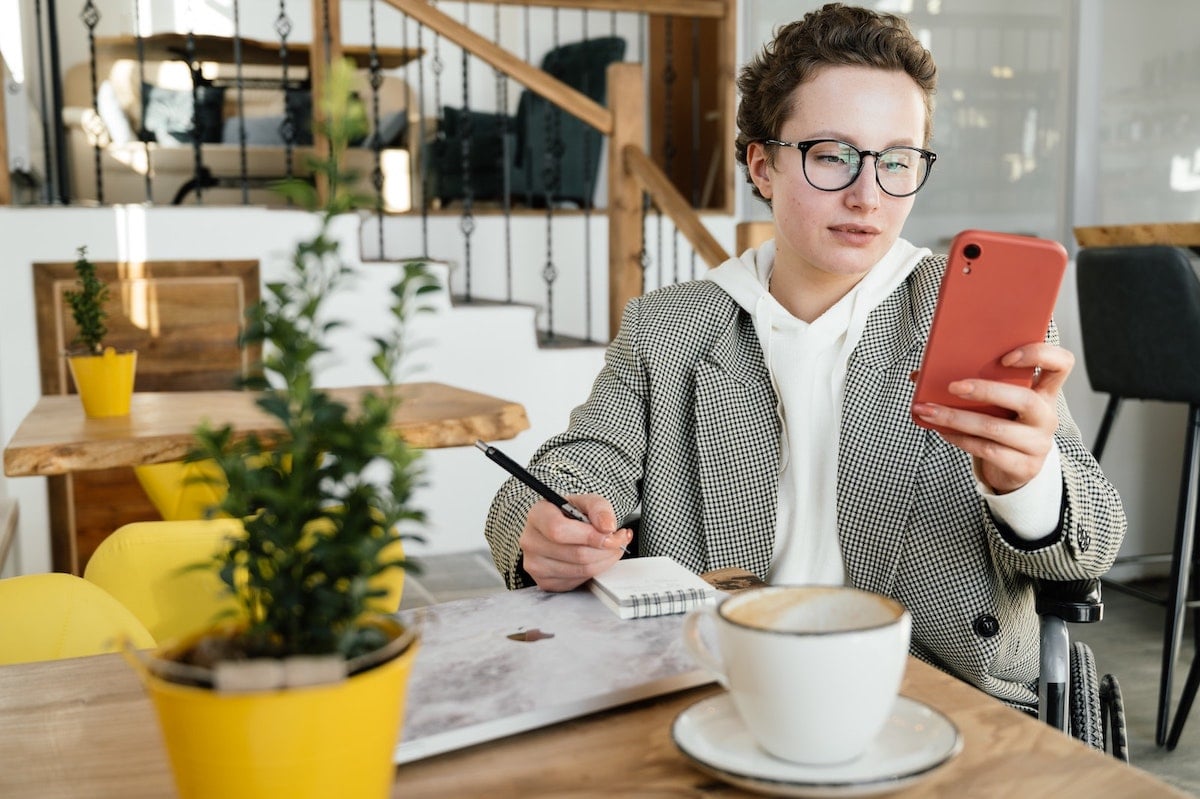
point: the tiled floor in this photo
(1127, 643)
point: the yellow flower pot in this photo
(300, 743)
(104, 382)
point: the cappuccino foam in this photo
(812, 609)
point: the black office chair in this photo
(1140, 315)
(540, 156)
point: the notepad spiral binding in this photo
(665, 603)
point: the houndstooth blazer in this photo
(682, 425)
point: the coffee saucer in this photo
(915, 741)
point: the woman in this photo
(762, 417)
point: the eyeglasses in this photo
(832, 165)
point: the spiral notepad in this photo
(654, 586)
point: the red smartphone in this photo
(997, 294)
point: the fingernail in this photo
(1011, 358)
(963, 388)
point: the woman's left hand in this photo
(1008, 453)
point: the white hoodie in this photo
(807, 363)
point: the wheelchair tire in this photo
(1113, 715)
(1084, 700)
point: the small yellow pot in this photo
(301, 743)
(104, 382)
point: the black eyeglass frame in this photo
(804, 146)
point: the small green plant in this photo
(87, 305)
(321, 501)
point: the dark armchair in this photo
(542, 154)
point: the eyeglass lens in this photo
(833, 165)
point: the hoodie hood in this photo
(747, 279)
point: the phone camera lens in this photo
(971, 252)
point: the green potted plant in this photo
(103, 377)
(305, 675)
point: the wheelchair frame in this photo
(1071, 696)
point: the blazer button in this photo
(986, 626)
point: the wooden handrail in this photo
(713, 9)
(667, 198)
(573, 102)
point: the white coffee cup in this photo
(813, 671)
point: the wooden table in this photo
(56, 438)
(1179, 234)
(84, 729)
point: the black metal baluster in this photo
(644, 254)
(287, 128)
(421, 165)
(438, 67)
(60, 130)
(550, 178)
(467, 223)
(44, 108)
(91, 16)
(527, 156)
(141, 69)
(669, 77)
(241, 105)
(696, 122)
(377, 139)
(198, 176)
(506, 156)
(588, 194)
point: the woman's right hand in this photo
(560, 553)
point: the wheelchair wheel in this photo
(1113, 715)
(1084, 699)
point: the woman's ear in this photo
(759, 168)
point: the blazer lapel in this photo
(880, 449)
(739, 473)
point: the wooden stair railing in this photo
(666, 197)
(622, 122)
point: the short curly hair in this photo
(834, 35)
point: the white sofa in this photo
(110, 126)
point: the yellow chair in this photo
(182, 490)
(144, 565)
(54, 615)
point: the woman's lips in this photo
(856, 235)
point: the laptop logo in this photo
(529, 636)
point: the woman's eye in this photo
(835, 156)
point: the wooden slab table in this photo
(84, 729)
(56, 438)
(1178, 234)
